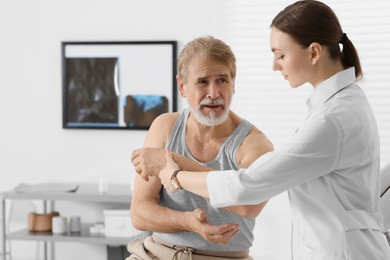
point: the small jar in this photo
(59, 225)
(75, 224)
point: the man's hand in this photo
(222, 234)
(148, 161)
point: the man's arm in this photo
(145, 205)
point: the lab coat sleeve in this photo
(314, 150)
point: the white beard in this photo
(211, 119)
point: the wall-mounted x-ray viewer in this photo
(118, 85)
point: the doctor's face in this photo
(290, 58)
(208, 89)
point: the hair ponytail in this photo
(349, 56)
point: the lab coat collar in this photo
(329, 87)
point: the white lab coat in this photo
(330, 167)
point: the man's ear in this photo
(316, 52)
(180, 85)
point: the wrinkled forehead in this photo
(203, 66)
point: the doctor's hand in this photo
(197, 222)
(148, 161)
(166, 173)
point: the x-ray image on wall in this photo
(92, 92)
(117, 85)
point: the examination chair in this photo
(385, 200)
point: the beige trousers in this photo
(153, 248)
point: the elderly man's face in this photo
(209, 90)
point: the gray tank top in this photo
(187, 201)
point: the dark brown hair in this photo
(311, 21)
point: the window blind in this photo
(266, 99)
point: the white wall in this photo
(33, 145)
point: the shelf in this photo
(116, 193)
(51, 192)
(83, 237)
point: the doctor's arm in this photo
(254, 146)
(195, 182)
(312, 152)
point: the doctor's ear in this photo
(315, 52)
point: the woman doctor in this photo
(330, 166)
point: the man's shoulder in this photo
(165, 121)
(255, 137)
(171, 116)
(237, 120)
(255, 134)
(254, 145)
(161, 128)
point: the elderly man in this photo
(206, 135)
